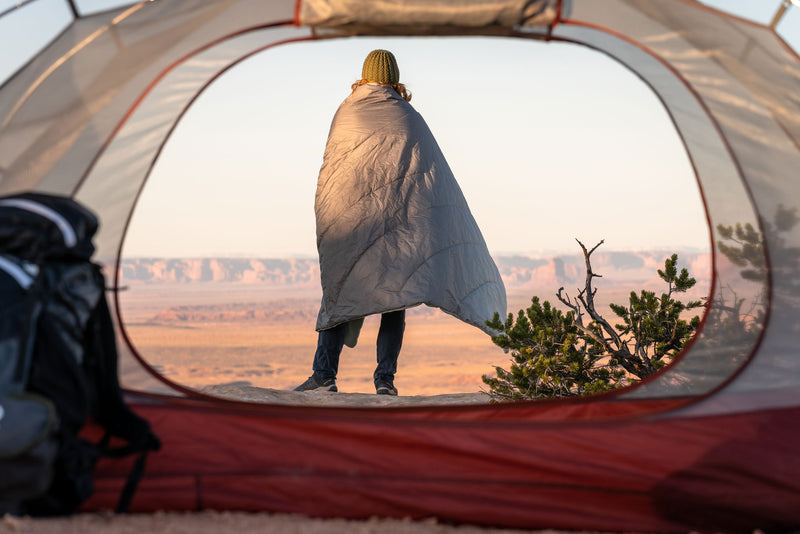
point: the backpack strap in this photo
(150, 443)
(113, 413)
(131, 484)
(21, 291)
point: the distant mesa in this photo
(518, 272)
(523, 276)
(272, 271)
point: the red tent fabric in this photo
(724, 472)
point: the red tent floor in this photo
(734, 472)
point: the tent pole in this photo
(74, 9)
(15, 6)
(782, 11)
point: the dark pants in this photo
(390, 340)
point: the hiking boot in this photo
(385, 387)
(314, 383)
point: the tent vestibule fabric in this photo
(705, 444)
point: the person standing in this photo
(393, 229)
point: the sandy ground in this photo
(217, 522)
(326, 398)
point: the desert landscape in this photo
(237, 327)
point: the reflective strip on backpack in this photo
(23, 277)
(70, 239)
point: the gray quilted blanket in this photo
(393, 227)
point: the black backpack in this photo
(58, 361)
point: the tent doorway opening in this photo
(549, 142)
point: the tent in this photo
(707, 443)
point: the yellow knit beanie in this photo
(380, 66)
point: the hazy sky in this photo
(549, 142)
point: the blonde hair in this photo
(399, 87)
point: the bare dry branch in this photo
(613, 344)
(586, 296)
(566, 300)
